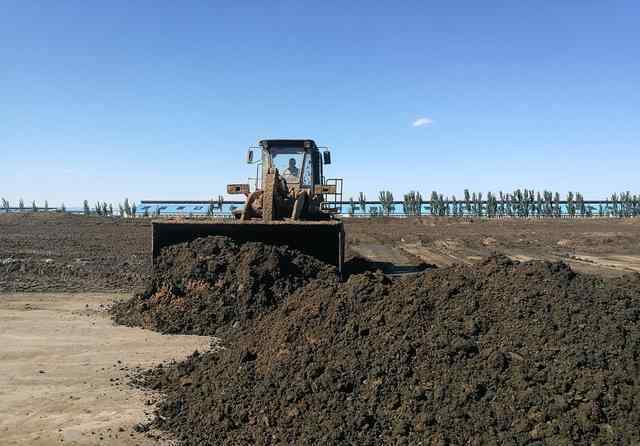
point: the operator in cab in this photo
(292, 173)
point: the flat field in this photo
(608, 247)
(75, 253)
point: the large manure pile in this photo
(497, 353)
(212, 283)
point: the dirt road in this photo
(64, 367)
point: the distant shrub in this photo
(352, 207)
(362, 200)
(386, 200)
(412, 204)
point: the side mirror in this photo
(249, 156)
(326, 157)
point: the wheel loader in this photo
(292, 203)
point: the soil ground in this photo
(64, 368)
(608, 247)
(55, 252)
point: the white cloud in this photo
(422, 122)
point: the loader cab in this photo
(298, 161)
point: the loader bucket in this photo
(324, 240)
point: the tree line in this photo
(102, 208)
(521, 203)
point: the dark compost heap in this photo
(496, 353)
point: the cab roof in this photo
(302, 143)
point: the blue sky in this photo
(159, 100)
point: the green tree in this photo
(386, 200)
(467, 202)
(352, 206)
(580, 204)
(412, 203)
(474, 204)
(434, 203)
(442, 206)
(539, 206)
(519, 202)
(571, 207)
(362, 200)
(548, 199)
(492, 205)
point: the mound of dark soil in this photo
(499, 353)
(211, 283)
